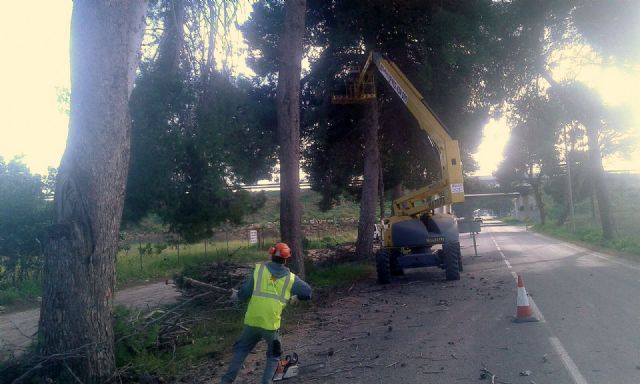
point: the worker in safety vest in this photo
(269, 289)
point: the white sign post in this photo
(253, 236)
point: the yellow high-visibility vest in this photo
(270, 296)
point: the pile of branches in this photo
(214, 279)
(210, 293)
(328, 257)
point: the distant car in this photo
(477, 218)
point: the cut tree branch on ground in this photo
(205, 285)
(487, 374)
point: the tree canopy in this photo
(198, 133)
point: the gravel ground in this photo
(419, 329)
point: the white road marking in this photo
(567, 361)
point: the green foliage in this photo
(25, 291)
(137, 342)
(624, 205)
(197, 134)
(132, 339)
(330, 241)
(344, 208)
(444, 48)
(511, 221)
(24, 216)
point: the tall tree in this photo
(288, 106)
(197, 132)
(79, 272)
(531, 150)
(444, 47)
(584, 106)
(364, 244)
(535, 30)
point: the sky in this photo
(36, 64)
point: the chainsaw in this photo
(288, 367)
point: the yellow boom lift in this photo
(421, 218)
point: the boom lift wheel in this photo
(396, 269)
(383, 267)
(451, 258)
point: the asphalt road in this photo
(16, 329)
(423, 329)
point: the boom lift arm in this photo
(408, 235)
(449, 189)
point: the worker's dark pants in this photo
(248, 339)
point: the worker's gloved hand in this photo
(293, 300)
(234, 294)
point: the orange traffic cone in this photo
(524, 314)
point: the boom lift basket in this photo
(357, 92)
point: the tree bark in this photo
(599, 183)
(380, 186)
(538, 196)
(170, 49)
(364, 243)
(536, 184)
(396, 193)
(288, 106)
(79, 270)
(211, 48)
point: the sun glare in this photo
(34, 127)
(36, 64)
(490, 152)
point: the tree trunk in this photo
(396, 193)
(380, 186)
(211, 47)
(594, 204)
(288, 105)
(170, 48)
(595, 158)
(536, 185)
(364, 243)
(79, 270)
(600, 188)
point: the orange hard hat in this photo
(280, 250)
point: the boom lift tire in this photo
(451, 259)
(383, 267)
(396, 270)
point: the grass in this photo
(625, 203)
(330, 241)
(131, 267)
(592, 236)
(25, 291)
(155, 264)
(512, 221)
(337, 276)
(152, 265)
